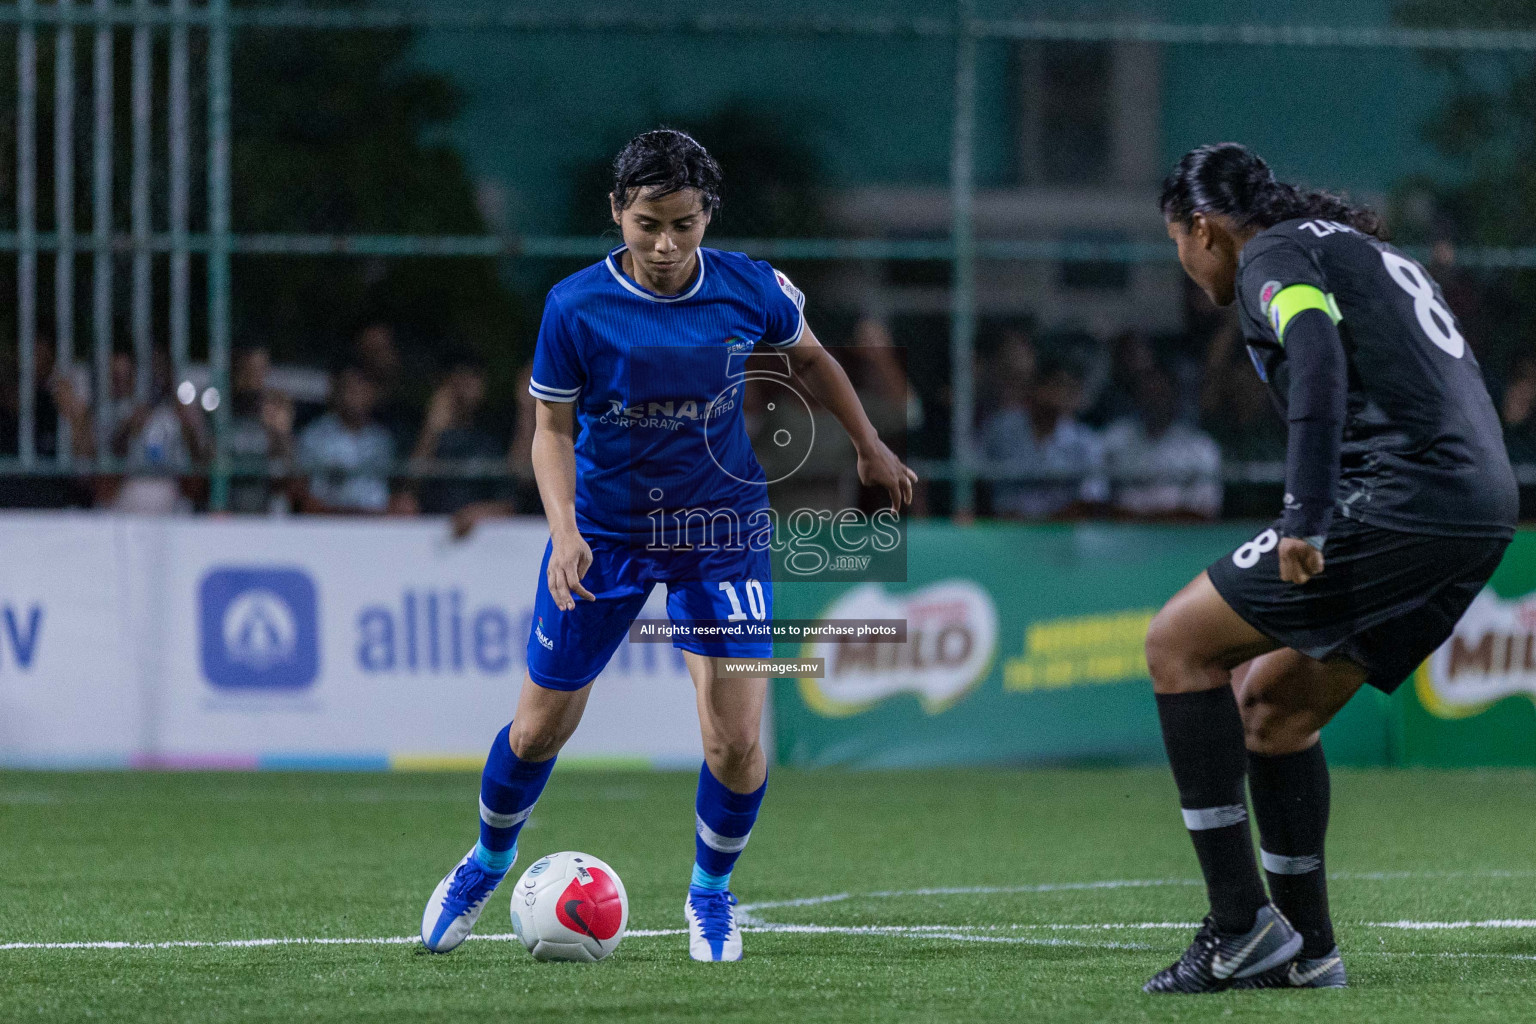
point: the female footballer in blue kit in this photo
(640, 421)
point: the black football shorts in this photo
(1384, 600)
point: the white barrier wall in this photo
(300, 643)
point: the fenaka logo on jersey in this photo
(668, 415)
(259, 628)
(1491, 654)
(951, 642)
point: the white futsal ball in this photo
(570, 906)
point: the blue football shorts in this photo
(566, 650)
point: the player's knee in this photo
(1168, 658)
(730, 750)
(1273, 729)
(537, 741)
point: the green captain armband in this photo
(1281, 306)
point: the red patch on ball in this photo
(594, 908)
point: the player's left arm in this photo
(1292, 295)
(828, 383)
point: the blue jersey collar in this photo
(645, 293)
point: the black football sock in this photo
(1204, 736)
(1290, 801)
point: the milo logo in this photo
(951, 642)
(1490, 655)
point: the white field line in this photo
(1397, 876)
(965, 890)
(959, 933)
(1449, 956)
(749, 909)
(388, 940)
(1426, 926)
(954, 932)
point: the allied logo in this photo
(259, 629)
(1491, 654)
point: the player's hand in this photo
(569, 561)
(1299, 561)
(879, 467)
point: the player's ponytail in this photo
(1230, 179)
(667, 161)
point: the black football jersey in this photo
(1422, 446)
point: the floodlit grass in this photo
(222, 857)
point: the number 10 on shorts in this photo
(755, 601)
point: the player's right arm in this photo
(554, 467)
(557, 379)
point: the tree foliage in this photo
(334, 133)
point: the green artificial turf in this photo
(216, 857)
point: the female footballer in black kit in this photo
(1399, 504)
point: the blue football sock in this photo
(724, 824)
(509, 788)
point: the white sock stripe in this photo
(1197, 819)
(719, 843)
(496, 820)
(1304, 864)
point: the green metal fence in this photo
(961, 27)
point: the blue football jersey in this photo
(657, 381)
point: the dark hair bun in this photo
(1230, 179)
(667, 161)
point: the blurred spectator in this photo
(1471, 299)
(877, 369)
(348, 453)
(449, 434)
(120, 390)
(1518, 409)
(260, 436)
(161, 435)
(1162, 468)
(1035, 430)
(809, 459)
(525, 496)
(1011, 359)
(520, 455)
(376, 353)
(1236, 405)
(55, 397)
(1130, 355)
